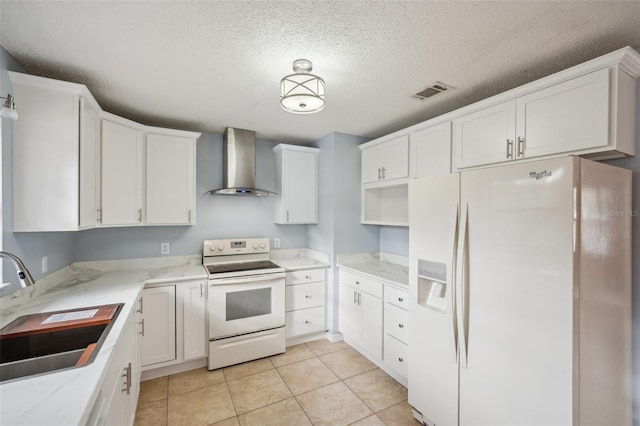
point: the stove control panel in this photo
(236, 246)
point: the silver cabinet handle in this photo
(307, 277)
(126, 375)
(400, 299)
(141, 327)
(401, 325)
(201, 290)
(400, 359)
(357, 282)
(287, 215)
(379, 174)
(139, 215)
(307, 322)
(383, 174)
(99, 216)
(140, 310)
(307, 297)
(509, 149)
(359, 298)
(189, 215)
(520, 147)
(355, 297)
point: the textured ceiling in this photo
(206, 65)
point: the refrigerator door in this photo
(516, 294)
(433, 228)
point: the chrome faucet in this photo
(26, 279)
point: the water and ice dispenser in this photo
(432, 285)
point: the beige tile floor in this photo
(316, 383)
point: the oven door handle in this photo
(249, 279)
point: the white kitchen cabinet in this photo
(305, 302)
(361, 313)
(297, 182)
(386, 161)
(590, 115)
(193, 306)
(430, 151)
(174, 323)
(486, 136)
(119, 394)
(158, 327)
(55, 155)
(171, 179)
(396, 329)
(122, 174)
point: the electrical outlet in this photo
(45, 264)
(165, 248)
(276, 243)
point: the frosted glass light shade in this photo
(302, 93)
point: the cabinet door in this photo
(485, 137)
(371, 324)
(570, 116)
(158, 342)
(372, 163)
(431, 151)
(350, 317)
(122, 177)
(300, 186)
(170, 180)
(395, 161)
(194, 320)
(89, 166)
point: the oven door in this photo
(245, 304)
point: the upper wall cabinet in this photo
(386, 161)
(55, 155)
(587, 110)
(297, 182)
(171, 179)
(430, 153)
(77, 167)
(122, 174)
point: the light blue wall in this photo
(30, 247)
(339, 229)
(217, 216)
(394, 239)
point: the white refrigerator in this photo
(520, 288)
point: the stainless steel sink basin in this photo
(42, 364)
(49, 351)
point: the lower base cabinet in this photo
(305, 302)
(173, 323)
(122, 386)
(374, 319)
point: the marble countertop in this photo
(67, 397)
(300, 259)
(383, 266)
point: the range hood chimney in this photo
(239, 164)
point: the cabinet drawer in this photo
(396, 297)
(304, 296)
(396, 355)
(305, 321)
(396, 322)
(361, 283)
(306, 276)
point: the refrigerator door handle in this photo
(452, 287)
(464, 288)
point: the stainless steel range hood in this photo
(239, 167)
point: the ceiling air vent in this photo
(433, 90)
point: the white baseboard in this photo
(173, 369)
(332, 337)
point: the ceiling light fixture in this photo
(9, 108)
(302, 92)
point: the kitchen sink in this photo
(26, 350)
